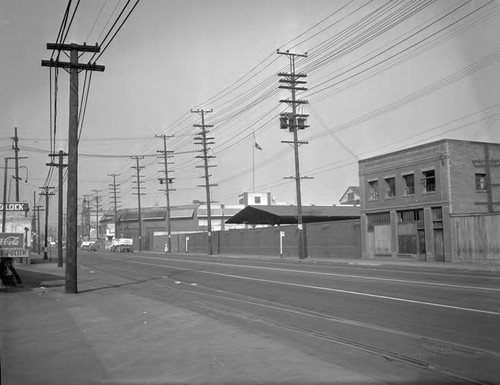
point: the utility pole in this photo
(74, 68)
(4, 208)
(97, 212)
(138, 193)
(167, 154)
(33, 222)
(487, 164)
(86, 214)
(294, 122)
(114, 200)
(39, 236)
(61, 154)
(202, 139)
(15, 147)
(47, 194)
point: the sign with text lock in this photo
(12, 246)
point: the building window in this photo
(429, 181)
(411, 216)
(480, 181)
(378, 219)
(373, 190)
(409, 184)
(350, 196)
(257, 200)
(390, 185)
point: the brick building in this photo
(434, 202)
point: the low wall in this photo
(340, 239)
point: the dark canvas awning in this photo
(281, 215)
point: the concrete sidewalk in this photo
(488, 266)
(109, 335)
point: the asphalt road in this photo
(394, 324)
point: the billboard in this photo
(12, 245)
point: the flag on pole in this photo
(257, 146)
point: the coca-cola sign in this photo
(11, 240)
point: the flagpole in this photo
(253, 161)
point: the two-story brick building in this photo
(439, 201)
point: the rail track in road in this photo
(432, 355)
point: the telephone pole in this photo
(86, 215)
(114, 199)
(15, 147)
(97, 212)
(138, 193)
(167, 154)
(36, 220)
(294, 122)
(487, 164)
(61, 154)
(47, 193)
(74, 68)
(4, 208)
(202, 139)
(37, 208)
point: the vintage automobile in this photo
(90, 245)
(122, 245)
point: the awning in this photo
(280, 215)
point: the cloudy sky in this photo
(381, 76)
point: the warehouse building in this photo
(438, 201)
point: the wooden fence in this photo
(476, 238)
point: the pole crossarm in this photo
(68, 65)
(72, 46)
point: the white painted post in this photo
(282, 234)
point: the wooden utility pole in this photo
(202, 139)
(72, 203)
(139, 193)
(86, 215)
(4, 200)
(114, 200)
(15, 147)
(294, 122)
(487, 164)
(47, 193)
(61, 154)
(97, 212)
(4, 208)
(38, 238)
(167, 154)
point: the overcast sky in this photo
(381, 76)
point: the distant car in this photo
(52, 243)
(122, 245)
(91, 245)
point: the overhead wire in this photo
(397, 53)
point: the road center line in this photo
(338, 275)
(327, 289)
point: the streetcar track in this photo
(214, 307)
(342, 291)
(329, 274)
